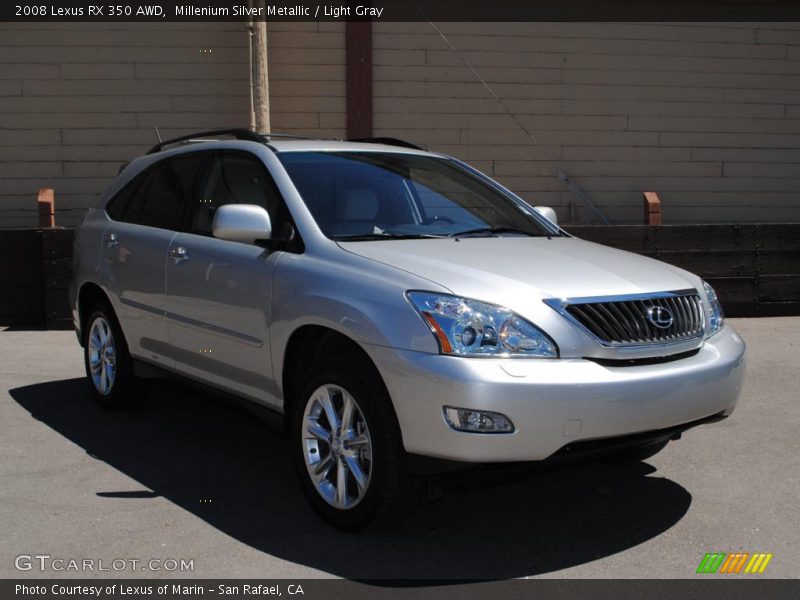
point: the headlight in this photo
(470, 328)
(717, 318)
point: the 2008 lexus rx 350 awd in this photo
(395, 306)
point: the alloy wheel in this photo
(337, 447)
(102, 356)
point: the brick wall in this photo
(307, 78)
(706, 115)
(78, 100)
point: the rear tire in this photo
(348, 450)
(109, 367)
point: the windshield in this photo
(382, 195)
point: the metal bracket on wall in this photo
(581, 196)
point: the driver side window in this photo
(237, 178)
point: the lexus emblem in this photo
(660, 317)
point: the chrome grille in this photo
(640, 319)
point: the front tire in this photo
(109, 367)
(348, 450)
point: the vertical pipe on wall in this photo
(358, 44)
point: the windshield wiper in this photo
(497, 230)
(367, 237)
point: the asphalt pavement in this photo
(186, 477)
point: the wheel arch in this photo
(89, 295)
(306, 347)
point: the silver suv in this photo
(402, 312)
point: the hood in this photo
(500, 269)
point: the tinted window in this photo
(186, 169)
(237, 178)
(383, 194)
(117, 206)
(163, 199)
(159, 197)
(133, 212)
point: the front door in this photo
(218, 291)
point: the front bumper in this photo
(554, 402)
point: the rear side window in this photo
(160, 196)
(117, 206)
(163, 199)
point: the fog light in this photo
(477, 421)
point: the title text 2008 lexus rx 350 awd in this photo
(396, 307)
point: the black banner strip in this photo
(403, 10)
(710, 588)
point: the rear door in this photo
(146, 216)
(218, 291)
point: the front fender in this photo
(358, 298)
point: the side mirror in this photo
(241, 223)
(548, 213)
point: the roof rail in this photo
(239, 134)
(389, 141)
(289, 136)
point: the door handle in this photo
(179, 254)
(111, 240)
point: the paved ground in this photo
(185, 477)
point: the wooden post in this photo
(260, 73)
(652, 209)
(47, 208)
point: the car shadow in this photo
(227, 468)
